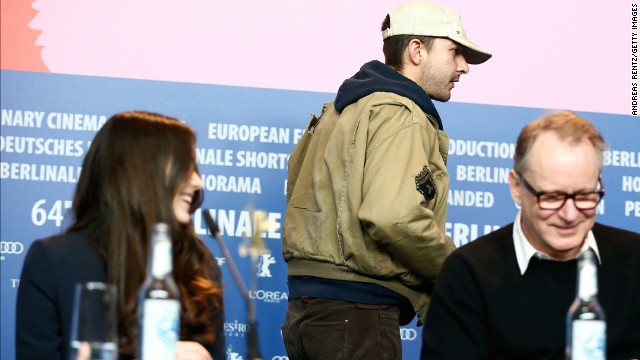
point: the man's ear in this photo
(515, 187)
(416, 52)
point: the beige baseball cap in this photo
(427, 18)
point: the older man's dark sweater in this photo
(483, 308)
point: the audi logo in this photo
(408, 334)
(11, 247)
(280, 358)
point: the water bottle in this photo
(586, 326)
(159, 301)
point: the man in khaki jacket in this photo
(367, 194)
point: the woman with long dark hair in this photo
(140, 170)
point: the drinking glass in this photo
(94, 333)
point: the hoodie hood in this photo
(375, 76)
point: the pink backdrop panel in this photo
(547, 53)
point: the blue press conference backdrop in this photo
(244, 138)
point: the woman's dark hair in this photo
(135, 166)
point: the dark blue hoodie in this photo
(375, 76)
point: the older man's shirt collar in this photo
(525, 251)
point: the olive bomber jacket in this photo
(367, 193)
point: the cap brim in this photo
(475, 57)
(473, 53)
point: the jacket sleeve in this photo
(394, 213)
(38, 330)
(455, 325)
